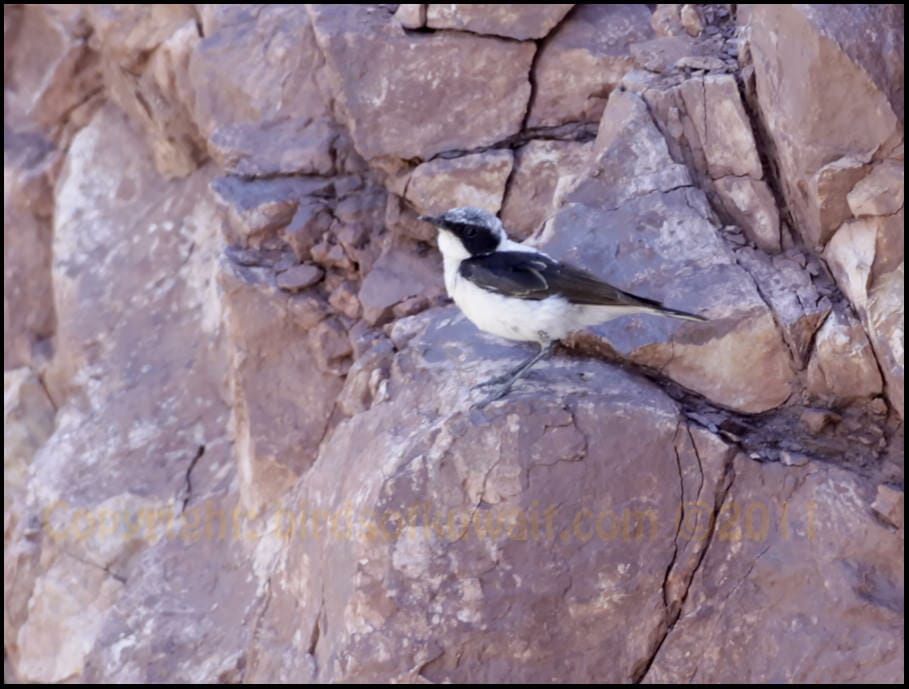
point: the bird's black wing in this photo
(534, 276)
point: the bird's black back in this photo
(526, 275)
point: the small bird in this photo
(518, 293)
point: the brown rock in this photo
(798, 51)
(28, 421)
(661, 54)
(889, 505)
(256, 208)
(666, 20)
(411, 16)
(147, 50)
(852, 257)
(843, 365)
(635, 197)
(751, 205)
(691, 19)
(520, 22)
(403, 270)
(472, 180)
(842, 576)
(58, 74)
(28, 300)
(331, 346)
(880, 193)
(583, 61)
(138, 372)
(473, 489)
(831, 185)
(344, 299)
(539, 168)
(309, 223)
(299, 277)
(257, 97)
(398, 97)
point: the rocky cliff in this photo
(240, 440)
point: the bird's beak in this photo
(430, 219)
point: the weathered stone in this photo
(255, 209)
(403, 270)
(397, 95)
(58, 75)
(880, 193)
(28, 421)
(411, 16)
(661, 54)
(691, 19)
(444, 502)
(473, 180)
(889, 505)
(520, 22)
(147, 50)
(666, 20)
(309, 223)
(583, 61)
(809, 123)
(257, 96)
(751, 205)
(843, 366)
(539, 168)
(843, 577)
(28, 301)
(876, 294)
(632, 199)
(344, 299)
(139, 369)
(211, 479)
(299, 277)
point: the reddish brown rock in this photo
(395, 88)
(843, 365)
(583, 61)
(810, 124)
(853, 258)
(411, 16)
(404, 270)
(633, 197)
(299, 277)
(473, 180)
(881, 192)
(539, 168)
(147, 49)
(266, 115)
(520, 22)
(841, 580)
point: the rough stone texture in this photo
(511, 21)
(539, 168)
(471, 180)
(637, 203)
(877, 296)
(583, 61)
(810, 124)
(241, 439)
(843, 364)
(394, 90)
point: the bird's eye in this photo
(471, 232)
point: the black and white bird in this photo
(518, 293)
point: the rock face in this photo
(241, 439)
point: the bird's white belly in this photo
(514, 319)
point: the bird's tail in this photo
(675, 313)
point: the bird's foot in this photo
(497, 393)
(498, 380)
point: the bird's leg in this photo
(505, 382)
